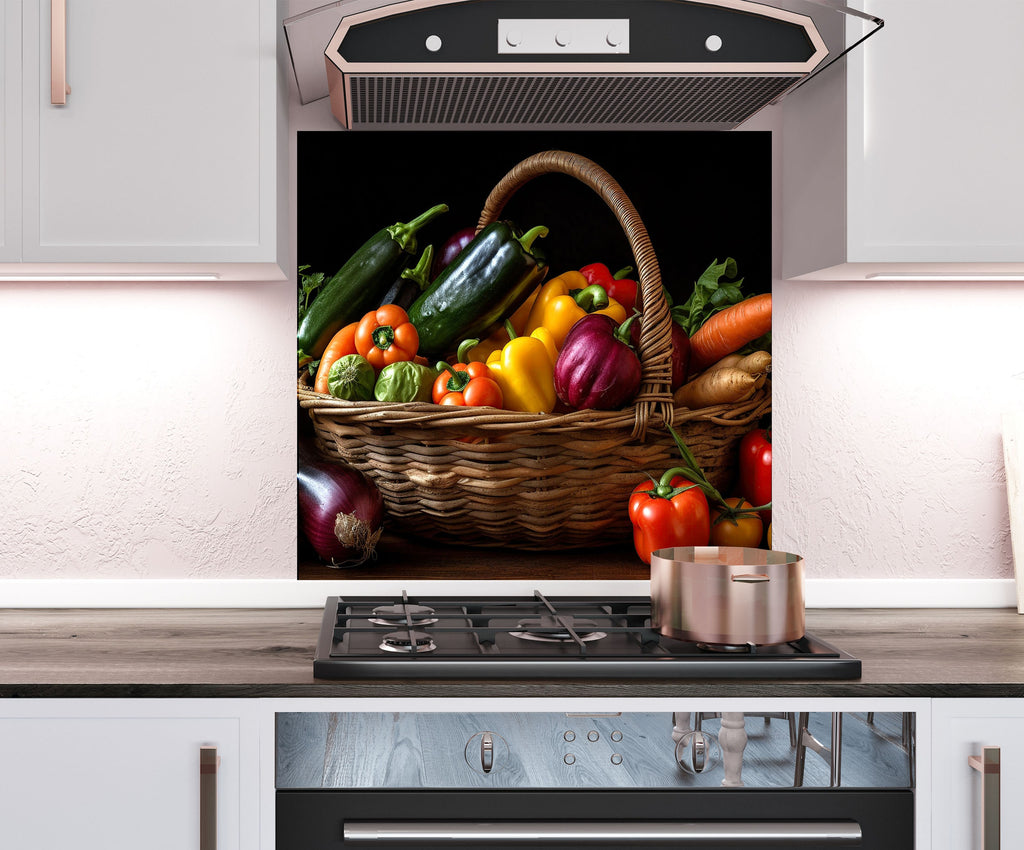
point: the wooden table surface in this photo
(269, 653)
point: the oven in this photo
(427, 780)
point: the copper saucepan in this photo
(727, 595)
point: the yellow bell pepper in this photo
(496, 341)
(525, 371)
(566, 299)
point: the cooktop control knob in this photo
(486, 752)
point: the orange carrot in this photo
(342, 343)
(730, 329)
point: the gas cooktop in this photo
(539, 637)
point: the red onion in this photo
(451, 249)
(341, 512)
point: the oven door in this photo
(871, 819)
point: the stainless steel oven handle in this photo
(987, 764)
(735, 834)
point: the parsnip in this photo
(726, 385)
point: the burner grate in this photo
(537, 636)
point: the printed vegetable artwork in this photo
(359, 284)
(385, 336)
(566, 299)
(466, 384)
(411, 282)
(341, 512)
(488, 281)
(729, 330)
(597, 368)
(404, 382)
(525, 370)
(732, 379)
(755, 468)
(352, 378)
(619, 286)
(670, 512)
(731, 525)
(660, 526)
(342, 343)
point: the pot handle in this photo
(751, 578)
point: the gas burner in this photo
(402, 615)
(538, 629)
(727, 647)
(408, 641)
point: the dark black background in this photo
(702, 195)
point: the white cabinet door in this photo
(935, 169)
(960, 728)
(10, 130)
(905, 159)
(165, 149)
(122, 775)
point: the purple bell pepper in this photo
(597, 368)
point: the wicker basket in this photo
(486, 477)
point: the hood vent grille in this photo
(554, 100)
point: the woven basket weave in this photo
(486, 477)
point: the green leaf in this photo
(709, 296)
(308, 285)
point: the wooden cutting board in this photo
(1013, 460)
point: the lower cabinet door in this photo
(978, 773)
(77, 778)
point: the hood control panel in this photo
(557, 35)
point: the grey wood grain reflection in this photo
(553, 750)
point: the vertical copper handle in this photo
(987, 764)
(208, 762)
(59, 88)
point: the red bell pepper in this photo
(670, 512)
(619, 287)
(755, 469)
(466, 384)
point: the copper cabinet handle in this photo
(208, 763)
(987, 764)
(59, 88)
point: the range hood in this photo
(506, 64)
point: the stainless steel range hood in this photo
(488, 64)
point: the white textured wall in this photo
(886, 407)
(145, 432)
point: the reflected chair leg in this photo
(832, 753)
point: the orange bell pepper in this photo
(386, 336)
(566, 299)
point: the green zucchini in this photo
(492, 276)
(359, 284)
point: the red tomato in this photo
(660, 522)
(743, 529)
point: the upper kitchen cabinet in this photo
(10, 136)
(169, 151)
(906, 160)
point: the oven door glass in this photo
(617, 780)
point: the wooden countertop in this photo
(269, 653)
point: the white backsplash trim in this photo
(284, 593)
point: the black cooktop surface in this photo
(541, 637)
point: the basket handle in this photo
(655, 394)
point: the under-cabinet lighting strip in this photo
(92, 276)
(926, 276)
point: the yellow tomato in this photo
(732, 526)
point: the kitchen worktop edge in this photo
(267, 653)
